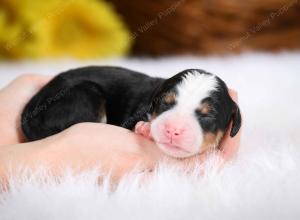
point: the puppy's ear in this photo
(236, 120)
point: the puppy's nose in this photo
(173, 132)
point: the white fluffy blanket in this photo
(262, 183)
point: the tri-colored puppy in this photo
(189, 112)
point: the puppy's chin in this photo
(175, 151)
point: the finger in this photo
(137, 127)
(38, 80)
(229, 145)
(42, 80)
(233, 94)
(139, 123)
(33, 82)
(147, 127)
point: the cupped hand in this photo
(229, 146)
(113, 150)
(13, 98)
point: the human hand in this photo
(119, 150)
(110, 149)
(229, 146)
(13, 99)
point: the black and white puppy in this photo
(188, 113)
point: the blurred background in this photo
(89, 29)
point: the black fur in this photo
(77, 95)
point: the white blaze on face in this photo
(181, 118)
(193, 89)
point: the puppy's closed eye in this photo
(206, 119)
(166, 102)
(164, 106)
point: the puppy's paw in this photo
(143, 128)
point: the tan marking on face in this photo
(205, 108)
(211, 140)
(170, 97)
(102, 114)
(153, 116)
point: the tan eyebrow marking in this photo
(211, 140)
(102, 118)
(204, 108)
(153, 116)
(170, 98)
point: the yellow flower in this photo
(77, 28)
(10, 30)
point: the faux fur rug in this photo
(262, 183)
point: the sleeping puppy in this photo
(188, 113)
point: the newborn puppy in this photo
(188, 113)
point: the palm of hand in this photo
(13, 98)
